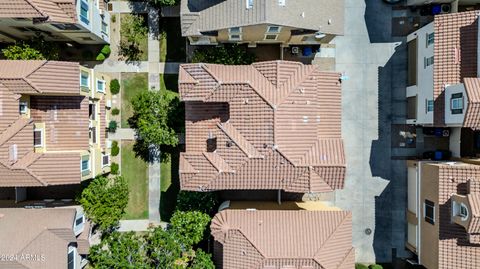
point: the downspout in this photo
(279, 197)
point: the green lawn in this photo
(143, 41)
(135, 172)
(172, 44)
(170, 185)
(131, 85)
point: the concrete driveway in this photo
(373, 99)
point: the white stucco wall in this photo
(412, 189)
(424, 88)
(454, 120)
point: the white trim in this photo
(104, 85)
(108, 164)
(265, 37)
(281, 3)
(88, 79)
(231, 38)
(42, 135)
(81, 164)
(249, 4)
(24, 103)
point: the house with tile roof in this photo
(443, 77)
(293, 236)
(47, 238)
(443, 214)
(81, 21)
(52, 124)
(266, 126)
(287, 22)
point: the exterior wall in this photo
(87, 34)
(455, 140)
(412, 209)
(256, 34)
(429, 234)
(423, 90)
(454, 120)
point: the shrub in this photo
(100, 57)
(228, 54)
(87, 55)
(114, 86)
(115, 148)
(114, 169)
(163, 3)
(106, 50)
(22, 51)
(112, 126)
(113, 18)
(115, 111)
(205, 202)
(375, 266)
(360, 266)
(189, 227)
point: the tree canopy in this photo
(132, 30)
(228, 54)
(151, 117)
(205, 202)
(163, 3)
(189, 226)
(105, 200)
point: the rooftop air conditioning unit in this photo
(295, 50)
(109, 103)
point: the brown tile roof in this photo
(278, 239)
(455, 248)
(65, 117)
(62, 11)
(455, 54)
(274, 125)
(46, 232)
(472, 114)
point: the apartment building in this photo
(81, 21)
(293, 235)
(266, 126)
(53, 238)
(443, 214)
(52, 124)
(286, 22)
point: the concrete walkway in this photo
(110, 66)
(129, 7)
(123, 134)
(140, 225)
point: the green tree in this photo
(205, 202)
(133, 29)
(189, 226)
(105, 200)
(202, 260)
(228, 54)
(119, 250)
(163, 250)
(163, 3)
(151, 117)
(22, 51)
(114, 86)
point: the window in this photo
(463, 211)
(281, 2)
(85, 165)
(92, 111)
(429, 105)
(71, 259)
(23, 107)
(235, 34)
(84, 81)
(274, 29)
(427, 61)
(93, 134)
(65, 26)
(456, 103)
(84, 12)
(249, 3)
(105, 160)
(430, 39)
(100, 85)
(38, 138)
(271, 37)
(429, 211)
(104, 28)
(79, 221)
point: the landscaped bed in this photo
(135, 172)
(140, 39)
(132, 84)
(172, 44)
(169, 185)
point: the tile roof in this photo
(57, 103)
(283, 238)
(46, 232)
(455, 54)
(455, 248)
(61, 11)
(472, 114)
(272, 125)
(199, 16)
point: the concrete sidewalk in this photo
(139, 225)
(121, 66)
(123, 134)
(129, 7)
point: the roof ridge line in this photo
(5, 138)
(223, 129)
(36, 69)
(36, 8)
(331, 235)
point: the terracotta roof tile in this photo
(455, 54)
(266, 238)
(269, 122)
(62, 11)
